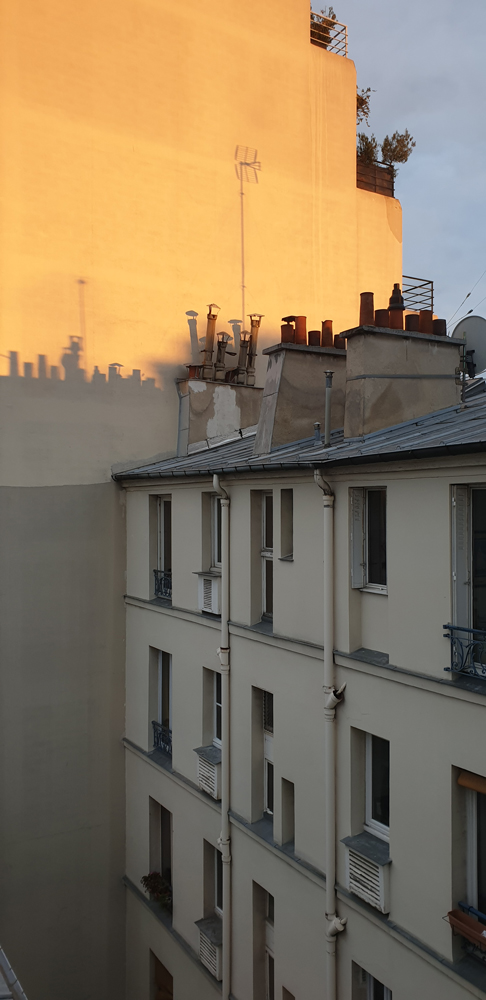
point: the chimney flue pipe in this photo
(301, 329)
(255, 320)
(209, 343)
(327, 417)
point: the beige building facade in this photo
(123, 134)
(382, 592)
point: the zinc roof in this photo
(457, 429)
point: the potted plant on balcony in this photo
(160, 890)
(321, 25)
(468, 927)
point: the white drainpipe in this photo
(223, 653)
(335, 925)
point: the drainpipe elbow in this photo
(333, 696)
(335, 926)
(218, 488)
(322, 483)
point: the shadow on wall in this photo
(70, 371)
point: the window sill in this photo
(374, 588)
(206, 572)
(369, 847)
(286, 559)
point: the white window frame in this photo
(269, 957)
(215, 504)
(472, 847)
(370, 824)
(217, 855)
(160, 530)
(266, 553)
(216, 739)
(268, 760)
(160, 689)
(359, 541)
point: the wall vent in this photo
(209, 594)
(210, 955)
(369, 880)
(208, 777)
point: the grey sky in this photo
(426, 62)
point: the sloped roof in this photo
(455, 430)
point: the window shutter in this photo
(357, 537)
(461, 580)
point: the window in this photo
(160, 847)
(160, 700)
(163, 573)
(162, 982)
(217, 709)
(267, 555)
(218, 882)
(368, 539)
(469, 556)
(268, 777)
(377, 786)
(286, 524)
(215, 532)
(269, 957)
(366, 987)
(475, 786)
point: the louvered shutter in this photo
(461, 575)
(357, 537)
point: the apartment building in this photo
(305, 766)
(132, 132)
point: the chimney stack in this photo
(394, 375)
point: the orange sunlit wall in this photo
(120, 121)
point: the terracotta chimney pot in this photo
(326, 336)
(367, 309)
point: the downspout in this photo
(223, 653)
(335, 925)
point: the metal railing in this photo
(418, 293)
(328, 33)
(468, 650)
(163, 583)
(162, 737)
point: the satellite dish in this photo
(472, 329)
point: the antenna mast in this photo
(246, 170)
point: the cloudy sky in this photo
(426, 60)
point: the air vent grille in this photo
(207, 594)
(210, 955)
(207, 776)
(368, 880)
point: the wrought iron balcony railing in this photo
(328, 33)
(162, 737)
(418, 293)
(468, 650)
(163, 583)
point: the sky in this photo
(426, 62)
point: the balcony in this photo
(468, 650)
(162, 737)
(328, 33)
(375, 177)
(163, 584)
(418, 293)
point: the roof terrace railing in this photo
(328, 33)
(418, 293)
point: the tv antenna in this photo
(246, 167)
